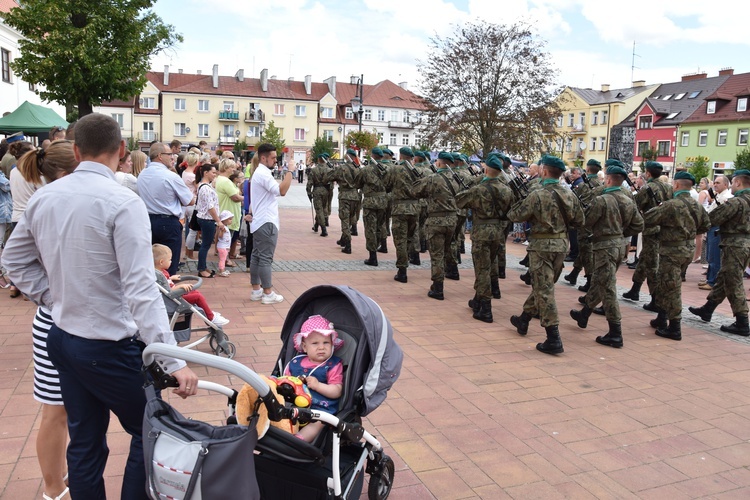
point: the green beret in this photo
(506, 158)
(406, 151)
(594, 163)
(464, 158)
(615, 162)
(321, 155)
(654, 165)
(552, 161)
(614, 169)
(444, 155)
(685, 175)
(351, 152)
(494, 162)
(456, 157)
(387, 151)
(742, 171)
(420, 154)
(376, 151)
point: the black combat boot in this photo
(401, 275)
(451, 272)
(705, 311)
(436, 290)
(315, 227)
(585, 288)
(739, 327)
(526, 277)
(613, 338)
(553, 344)
(651, 306)
(485, 311)
(572, 278)
(383, 248)
(458, 256)
(525, 260)
(422, 246)
(340, 242)
(521, 323)
(674, 331)
(354, 230)
(501, 273)
(599, 310)
(462, 249)
(326, 221)
(660, 321)
(323, 231)
(582, 300)
(633, 293)
(414, 259)
(373, 260)
(474, 304)
(347, 248)
(582, 316)
(495, 287)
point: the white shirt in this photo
(263, 203)
(722, 197)
(21, 190)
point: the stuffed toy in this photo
(294, 390)
(246, 400)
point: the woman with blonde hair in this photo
(188, 177)
(139, 162)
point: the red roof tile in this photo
(6, 5)
(726, 102)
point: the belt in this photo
(479, 222)
(548, 236)
(163, 216)
(726, 234)
(440, 214)
(608, 237)
(677, 243)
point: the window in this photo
(711, 107)
(299, 134)
(722, 138)
(405, 139)
(368, 114)
(380, 136)
(671, 116)
(702, 137)
(278, 109)
(228, 131)
(694, 94)
(300, 110)
(601, 143)
(594, 117)
(667, 97)
(582, 118)
(569, 145)
(32, 87)
(685, 142)
(560, 121)
(644, 122)
(119, 118)
(203, 129)
(642, 147)
(741, 104)
(604, 117)
(328, 135)
(394, 116)
(148, 103)
(148, 132)
(571, 118)
(6, 65)
(202, 104)
(381, 115)
(742, 137)
(179, 104)
(679, 96)
(593, 144)
(326, 112)
(179, 129)
(662, 148)
(228, 106)
(253, 131)
(392, 142)
(559, 144)
(349, 113)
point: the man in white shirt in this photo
(265, 224)
(713, 238)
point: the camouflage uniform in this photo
(405, 212)
(458, 236)
(586, 195)
(424, 169)
(548, 243)
(372, 182)
(648, 260)
(346, 175)
(386, 227)
(318, 189)
(501, 255)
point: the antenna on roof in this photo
(633, 67)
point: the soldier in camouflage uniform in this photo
(733, 219)
(550, 210)
(460, 167)
(346, 175)
(440, 190)
(489, 201)
(405, 211)
(609, 219)
(679, 220)
(388, 163)
(501, 259)
(422, 164)
(317, 192)
(371, 180)
(648, 261)
(585, 192)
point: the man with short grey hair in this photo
(721, 193)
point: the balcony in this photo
(227, 139)
(147, 136)
(255, 116)
(400, 125)
(578, 129)
(229, 116)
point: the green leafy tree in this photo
(132, 144)
(647, 155)
(240, 145)
(85, 51)
(700, 168)
(272, 134)
(320, 146)
(742, 160)
(363, 140)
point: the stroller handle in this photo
(179, 292)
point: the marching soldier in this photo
(733, 219)
(371, 180)
(609, 218)
(460, 166)
(346, 175)
(440, 191)
(317, 192)
(679, 220)
(489, 202)
(550, 210)
(388, 163)
(405, 211)
(422, 164)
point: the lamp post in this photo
(357, 104)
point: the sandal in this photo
(58, 497)
(210, 275)
(14, 292)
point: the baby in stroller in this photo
(162, 261)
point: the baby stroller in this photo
(331, 467)
(180, 314)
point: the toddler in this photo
(162, 261)
(224, 241)
(323, 372)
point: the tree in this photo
(320, 146)
(272, 135)
(361, 139)
(489, 86)
(700, 169)
(85, 51)
(240, 145)
(742, 160)
(647, 155)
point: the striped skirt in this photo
(46, 378)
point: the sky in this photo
(590, 41)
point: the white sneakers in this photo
(224, 274)
(271, 298)
(256, 295)
(219, 320)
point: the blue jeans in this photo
(713, 254)
(167, 230)
(208, 230)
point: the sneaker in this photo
(706, 286)
(271, 298)
(525, 243)
(219, 320)
(256, 294)
(224, 274)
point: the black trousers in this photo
(167, 230)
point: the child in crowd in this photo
(162, 261)
(322, 371)
(224, 241)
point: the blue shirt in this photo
(162, 190)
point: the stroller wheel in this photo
(381, 481)
(227, 351)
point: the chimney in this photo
(726, 72)
(353, 79)
(198, 72)
(166, 75)
(290, 80)
(240, 75)
(404, 85)
(308, 84)
(694, 76)
(605, 87)
(273, 77)
(331, 85)
(264, 80)
(179, 71)
(639, 83)
(216, 76)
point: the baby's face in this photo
(318, 347)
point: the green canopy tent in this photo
(31, 119)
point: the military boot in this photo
(660, 321)
(521, 323)
(739, 327)
(553, 344)
(315, 227)
(400, 275)
(354, 230)
(599, 310)
(674, 331)
(705, 311)
(340, 242)
(383, 248)
(474, 304)
(323, 231)
(572, 278)
(525, 260)
(326, 221)
(526, 277)
(414, 259)
(485, 311)
(373, 260)
(436, 290)
(613, 337)
(495, 287)
(651, 306)
(501, 273)
(458, 256)
(347, 248)
(585, 287)
(582, 300)
(451, 272)
(462, 249)
(633, 293)
(422, 246)
(582, 316)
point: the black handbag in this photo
(193, 224)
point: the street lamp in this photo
(357, 104)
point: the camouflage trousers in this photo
(672, 261)
(604, 281)
(585, 259)
(320, 199)
(545, 268)
(404, 228)
(458, 235)
(647, 268)
(729, 282)
(348, 217)
(386, 228)
(421, 223)
(439, 240)
(501, 251)
(329, 201)
(374, 219)
(483, 255)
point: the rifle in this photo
(472, 171)
(432, 167)
(516, 183)
(458, 179)
(649, 191)
(416, 174)
(713, 196)
(380, 168)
